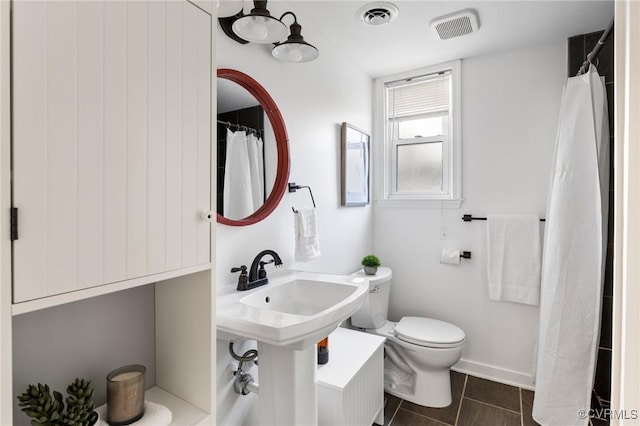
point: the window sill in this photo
(420, 204)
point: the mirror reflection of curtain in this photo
(238, 199)
(256, 168)
(243, 179)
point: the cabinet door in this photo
(111, 142)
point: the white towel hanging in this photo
(514, 258)
(307, 244)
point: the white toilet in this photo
(419, 351)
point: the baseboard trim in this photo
(496, 374)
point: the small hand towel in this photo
(154, 415)
(514, 258)
(307, 246)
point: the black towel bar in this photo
(469, 218)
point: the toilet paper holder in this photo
(451, 256)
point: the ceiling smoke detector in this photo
(377, 13)
(455, 24)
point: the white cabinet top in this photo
(349, 350)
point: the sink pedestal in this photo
(288, 386)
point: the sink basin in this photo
(295, 310)
(300, 297)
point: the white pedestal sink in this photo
(287, 317)
(288, 386)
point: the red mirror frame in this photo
(282, 146)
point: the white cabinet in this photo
(351, 384)
(111, 143)
(105, 148)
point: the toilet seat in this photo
(429, 332)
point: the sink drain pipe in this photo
(243, 382)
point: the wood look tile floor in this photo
(475, 402)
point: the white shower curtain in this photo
(256, 168)
(237, 196)
(573, 256)
(243, 177)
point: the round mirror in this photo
(253, 151)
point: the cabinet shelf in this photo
(182, 412)
(74, 296)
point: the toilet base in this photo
(430, 389)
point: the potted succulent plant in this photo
(370, 263)
(47, 410)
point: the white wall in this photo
(314, 99)
(510, 106)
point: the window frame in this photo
(386, 169)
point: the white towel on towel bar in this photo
(307, 245)
(514, 258)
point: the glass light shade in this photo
(260, 29)
(295, 52)
(228, 8)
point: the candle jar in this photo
(125, 395)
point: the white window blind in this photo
(427, 95)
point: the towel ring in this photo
(293, 188)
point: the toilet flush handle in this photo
(376, 289)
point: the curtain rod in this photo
(239, 126)
(596, 49)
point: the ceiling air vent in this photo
(377, 13)
(455, 24)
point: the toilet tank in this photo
(373, 313)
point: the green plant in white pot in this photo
(370, 263)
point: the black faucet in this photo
(256, 277)
(256, 274)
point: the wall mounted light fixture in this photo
(260, 27)
(294, 49)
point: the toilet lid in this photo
(429, 332)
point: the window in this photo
(419, 117)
